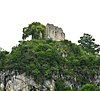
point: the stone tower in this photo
(54, 32)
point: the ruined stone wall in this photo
(54, 32)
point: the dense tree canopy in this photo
(48, 59)
(35, 29)
(3, 57)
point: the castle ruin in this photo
(54, 32)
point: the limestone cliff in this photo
(23, 83)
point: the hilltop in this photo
(50, 64)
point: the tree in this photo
(88, 43)
(36, 29)
(3, 57)
(89, 87)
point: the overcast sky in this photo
(75, 17)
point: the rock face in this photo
(54, 32)
(22, 83)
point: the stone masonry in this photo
(54, 32)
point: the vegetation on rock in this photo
(62, 61)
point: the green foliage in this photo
(58, 60)
(36, 29)
(48, 59)
(38, 58)
(3, 58)
(88, 43)
(60, 85)
(89, 87)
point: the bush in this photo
(89, 87)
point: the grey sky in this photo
(75, 17)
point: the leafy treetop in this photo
(36, 29)
(88, 43)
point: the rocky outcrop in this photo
(23, 83)
(54, 32)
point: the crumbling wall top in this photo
(54, 32)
